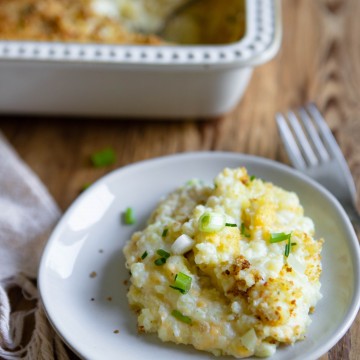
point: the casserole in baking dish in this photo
(123, 21)
(88, 76)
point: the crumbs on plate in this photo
(231, 268)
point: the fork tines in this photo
(306, 137)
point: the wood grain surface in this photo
(319, 61)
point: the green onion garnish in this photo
(194, 182)
(277, 237)
(129, 216)
(178, 315)
(165, 231)
(182, 283)
(230, 225)
(211, 222)
(103, 158)
(287, 248)
(243, 231)
(293, 244)
(164, 256)
(160, 261)
(163, 253)
(144, 255)
(252, 177)
(85, 186)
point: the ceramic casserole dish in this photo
(166, 81)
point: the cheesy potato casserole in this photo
(65, 20)
(231, 268)
(122, 21)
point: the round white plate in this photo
(92, 314)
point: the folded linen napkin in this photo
(27, 215)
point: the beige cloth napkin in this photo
(27, 215)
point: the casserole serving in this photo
(163, 81)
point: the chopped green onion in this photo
(288, 248)
(103, 158)
(293, 244)
(165, 231)
(211, 222)
(163, 253)
(194, 182)
(144, 255)
(252, 177)
(160, 261)
(85, 186)
(277, 237)
(182, 283)
(129, 216)
(164, 256)
(178, 315)
(177, 288)
(230, 225)
(182, 245)
(243, 231)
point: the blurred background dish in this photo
(77, 77)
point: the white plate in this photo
(90, 237)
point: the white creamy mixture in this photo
(232, 268)
(138, 14)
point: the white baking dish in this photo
(136, 81)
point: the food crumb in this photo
(109, 298)
(85, 186)
(116, 331)
(103, 158)
(125, 282)
(141, 329)
(92, 299)
(93, 274)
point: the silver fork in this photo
(313, 150)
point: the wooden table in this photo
(319, 61)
